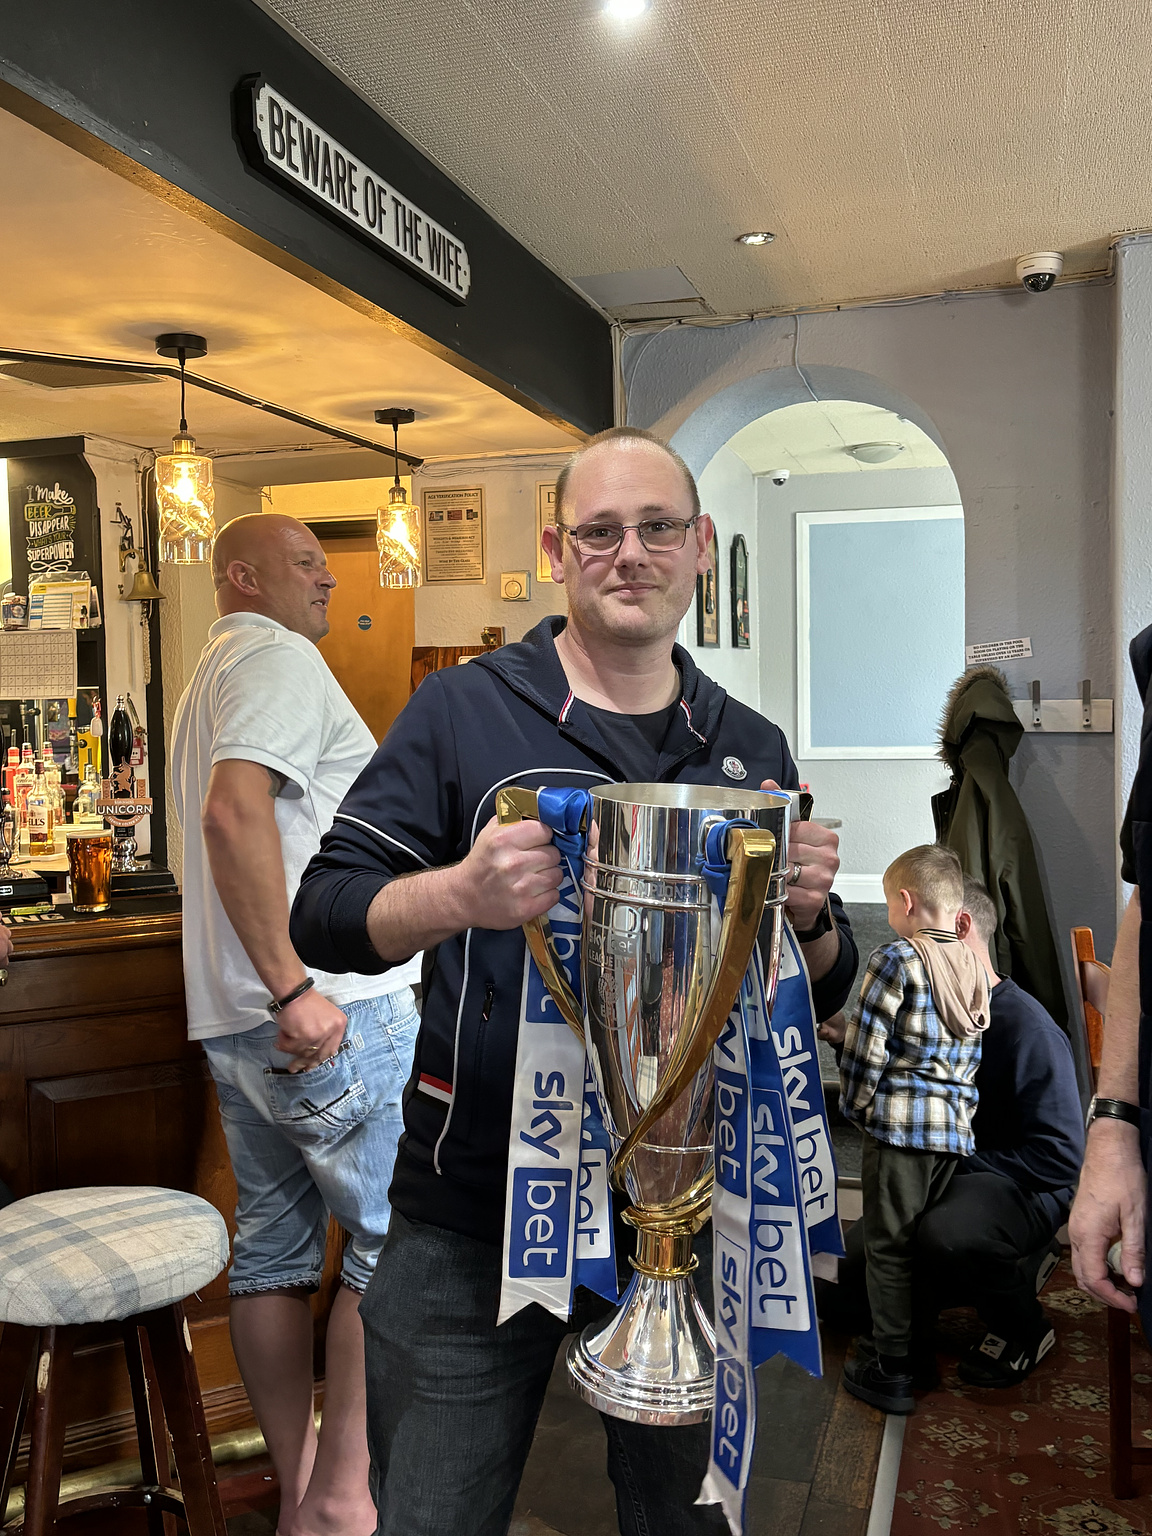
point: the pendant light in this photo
(184, 494)
(398, 524)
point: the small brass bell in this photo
(143, 589)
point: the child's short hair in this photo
(931, 872)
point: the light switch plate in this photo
(515, 586)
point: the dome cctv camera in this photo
(1040, 270)
(779, 476)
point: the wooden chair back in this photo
(1092, 992)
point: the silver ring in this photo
(794, 874)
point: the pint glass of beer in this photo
(90, 867)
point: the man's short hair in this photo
(980, 907)
(931, 872)
(625, 435)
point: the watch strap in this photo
(824, 923)
(1113, 1109)
(282, 1002)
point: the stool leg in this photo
(151, 1434)
(1120, 1403)
(49, 1411)
(17, 1358)
(171, 1347)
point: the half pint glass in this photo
(90, 868)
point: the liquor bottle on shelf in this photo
(22, 781)
(121, 737)
(40, 811)
(84, 813)
(10, 770)
(55, 784)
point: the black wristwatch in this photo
(1113, 1109)
(824, 923)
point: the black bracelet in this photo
(275, 1007)
(1113, 1109)
(823, 924)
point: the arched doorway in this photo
(856, 592)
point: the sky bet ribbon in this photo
(761, 1258)
(557, 1213)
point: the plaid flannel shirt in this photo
(904, 1077)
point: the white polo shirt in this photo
(263, 694)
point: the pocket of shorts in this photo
(318, 1107)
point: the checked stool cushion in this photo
(94, 1255)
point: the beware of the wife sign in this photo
(312, 162)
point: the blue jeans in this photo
(307, 1144)
(453, 1400)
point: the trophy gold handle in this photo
(514, 804)
(752, 852)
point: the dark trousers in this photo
(971, 1249)
(899, 1185)
(453, 1400)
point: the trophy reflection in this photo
(659, 978)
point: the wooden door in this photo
(369, 646)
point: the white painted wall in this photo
(1132, 500)
(455, 613)
(884, 805)
(1018, 391)
(728, 494)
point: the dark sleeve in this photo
(830, 993)
(402, 814)
(1050, 1139)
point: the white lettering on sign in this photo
(293, 146)
(997, 650)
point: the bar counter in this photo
(100, 1085)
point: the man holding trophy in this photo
(581, 795)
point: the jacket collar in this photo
(532, 669)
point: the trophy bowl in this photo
(661, 968)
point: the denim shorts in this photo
(308, 1144)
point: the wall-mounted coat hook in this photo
(1051, 715)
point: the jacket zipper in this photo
(489, 996)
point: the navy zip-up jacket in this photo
(505, 718)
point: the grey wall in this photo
(1017, 389)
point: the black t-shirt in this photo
(634, 741)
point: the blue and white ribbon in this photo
(557, 1211)
(763, 1221)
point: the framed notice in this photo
(454, 535)
(708, 598)
(741, 619)
(545, 515)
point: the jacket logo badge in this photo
(734, 768)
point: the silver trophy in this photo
(660, 972)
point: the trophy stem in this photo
(663, 1253)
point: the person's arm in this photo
(5, 944)
(511, 874)
(1110, 1200)
(238, 823)
(832, 957)
(865, 1050)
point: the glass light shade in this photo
(398, 540)
(185, 497)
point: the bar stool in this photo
(128, 1254)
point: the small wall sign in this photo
(997, 650)
(364, 621)
(454, 534)
(284, 140)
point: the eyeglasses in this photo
(659, 535)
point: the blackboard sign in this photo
(52, 517)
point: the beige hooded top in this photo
(959, 982)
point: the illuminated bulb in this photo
(398, 541)
(756, 237)
(184, 500)
(625, 10)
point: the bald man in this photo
(309, 1064)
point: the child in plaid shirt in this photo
(910, 1055)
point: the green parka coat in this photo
(980, 818)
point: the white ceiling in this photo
(96, 266)
(813, 438)
(893, 146)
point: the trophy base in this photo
(652, 1362)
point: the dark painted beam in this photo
(150, 89)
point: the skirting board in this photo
(859, 888)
